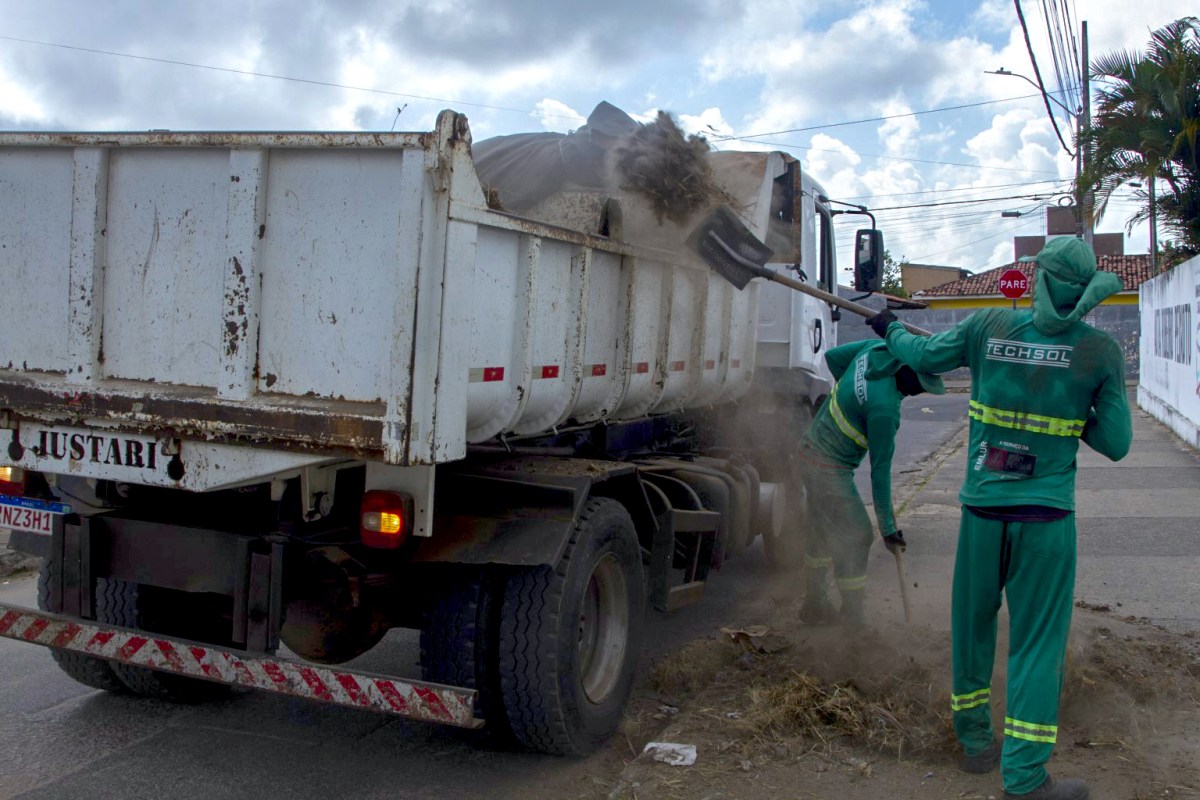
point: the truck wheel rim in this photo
(603, 629)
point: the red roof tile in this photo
(1133, 271)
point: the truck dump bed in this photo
(336, 294)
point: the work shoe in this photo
(1066, 789)
(985, 761)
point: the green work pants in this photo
(1033, 565)
(838, 529)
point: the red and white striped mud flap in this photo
(415, 699)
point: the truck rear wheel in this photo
(460, 637)
(784, 544)
(88, 670)
(121, 603)
(570, 636)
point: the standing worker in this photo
(860, 417)
(1041, 380)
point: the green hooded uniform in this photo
(860, 417)
(1041, 380)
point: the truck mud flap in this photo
(406, 698)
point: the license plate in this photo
(28, 514)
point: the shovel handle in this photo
(903, 586)
(757, 269)
(840, 302)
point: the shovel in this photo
(736, 254)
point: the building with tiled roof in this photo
(982, 289)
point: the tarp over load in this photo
(664, 181)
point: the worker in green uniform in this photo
(1041, 380)
(861, 416)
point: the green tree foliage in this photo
(892, 283)
(1146, 126)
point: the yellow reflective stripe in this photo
(817, 563)
(1021, 421)
(1030, 731)
(961, 702)
(844, 424)
(852, 584)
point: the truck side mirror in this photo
(868, 260)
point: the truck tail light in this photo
(12, 481)
(386, 519)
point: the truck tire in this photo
(570, 636)
(120, 603)
(88, 670)
(460, 638)
(785, 549)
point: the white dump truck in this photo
(264, 397)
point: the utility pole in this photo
(1085, 123)
(1153, 230)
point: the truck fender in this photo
(521, 511)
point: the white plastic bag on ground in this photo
(677, 755)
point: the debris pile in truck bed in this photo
(669, 168)
(653, 169)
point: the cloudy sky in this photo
(886, 101)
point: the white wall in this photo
(1169, 381)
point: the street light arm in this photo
(1052, 98)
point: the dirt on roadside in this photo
(14, 564)
(781, 710)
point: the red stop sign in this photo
(1013, 283)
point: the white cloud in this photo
(557, 116)
(899, 134)
(20, 104)
(1017, 139)
(709, 122)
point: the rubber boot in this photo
(852, 612)
(1066, 789)
(817, 608)
(984, 762)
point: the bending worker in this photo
(1041, 380)
(860, 417)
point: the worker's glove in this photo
(879, 323)
(895, 543)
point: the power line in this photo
(789, 146)
(386, 92)
(389, 93)
(1038, 74)
(973, 242)
(750, 136)
(308, 81)
(962, 202)
(957, 189)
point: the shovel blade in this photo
(725, 244)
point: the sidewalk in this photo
(1138, 524)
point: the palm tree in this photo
(1146, 128)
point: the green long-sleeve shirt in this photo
(861, 416)
(1033, 397)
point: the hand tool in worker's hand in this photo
(899, 554)
(896, 545)
(724, 243)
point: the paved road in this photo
(62, 740)
(1138, 546)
